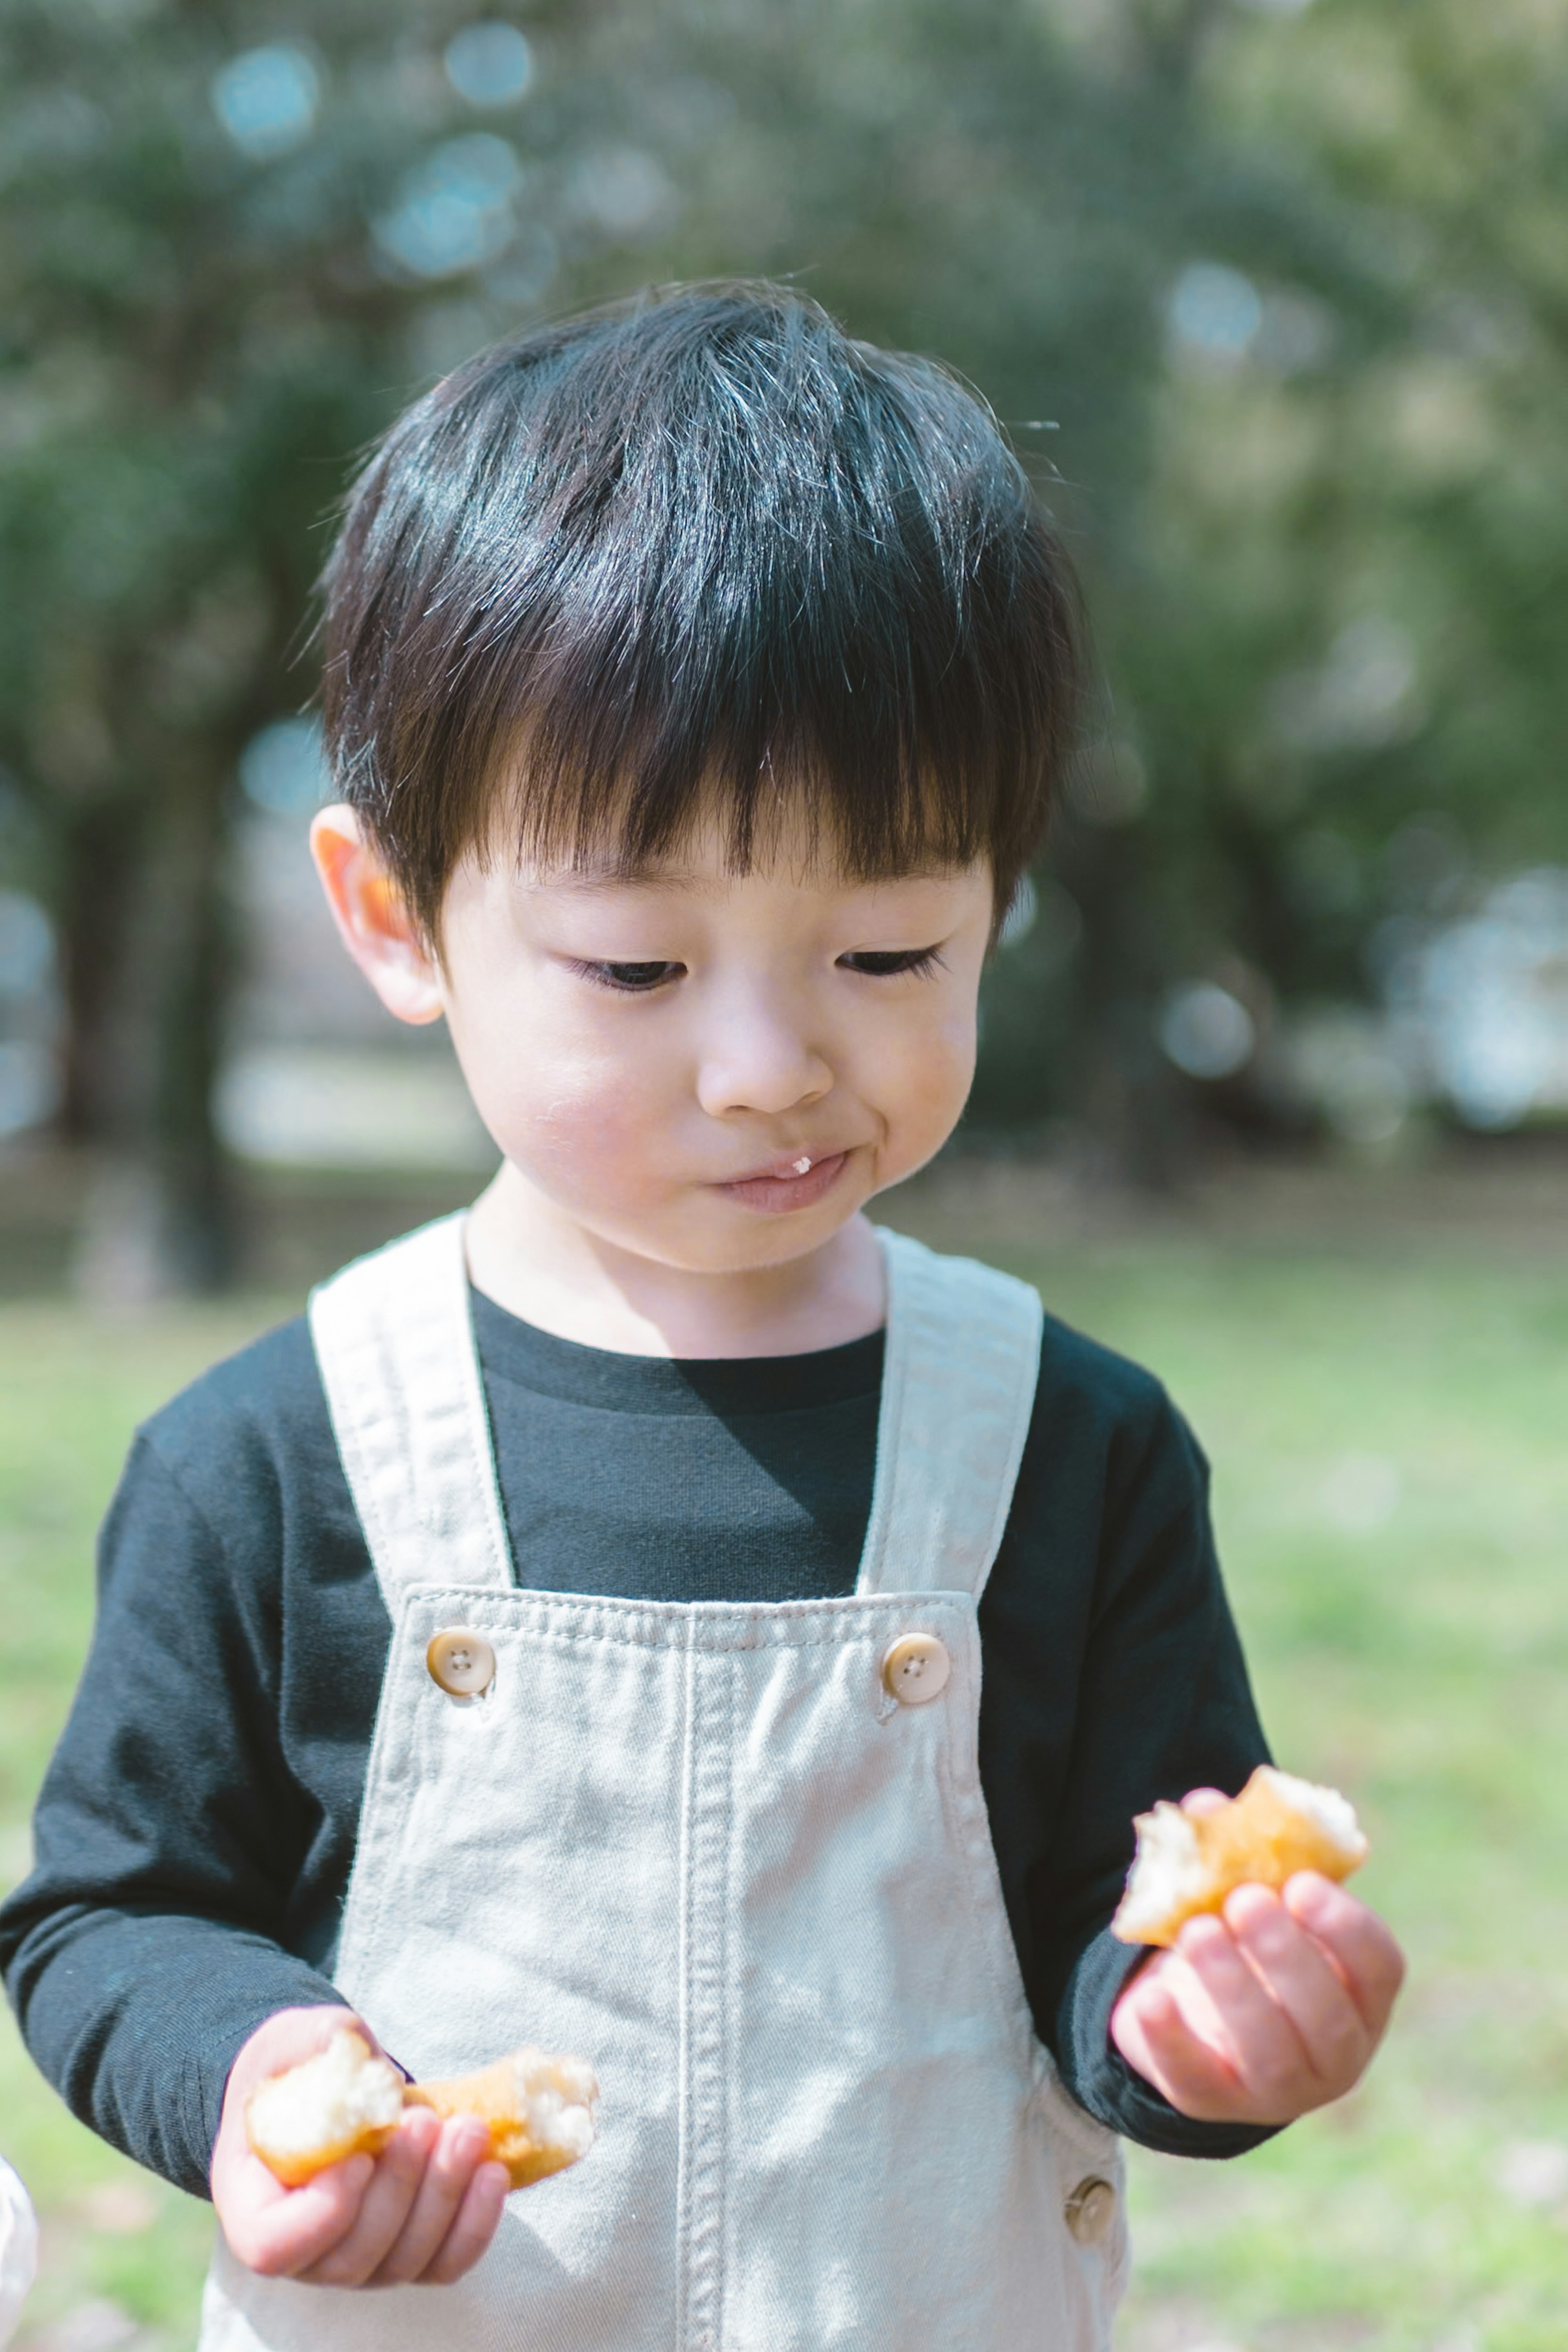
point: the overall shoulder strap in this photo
(395, 1339)
(963, 1357)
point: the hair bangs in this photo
(699, 558)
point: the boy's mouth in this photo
(794, 1183)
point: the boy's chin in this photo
(718, 1236)
(747, 1244)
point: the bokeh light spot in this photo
(27, 945)
(1215, 312)
(1207, 1032)
(455, 209)
(489, 65)
(283, 769)
(266, 99)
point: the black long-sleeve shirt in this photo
(196, 1826)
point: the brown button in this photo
(463, 1663)
(1090, 2210)
(917, 1668)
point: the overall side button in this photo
(462, 1663)
(1090, 2210)
(916, 1669)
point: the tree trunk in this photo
(100, 847)
(148, 962)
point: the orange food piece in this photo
(1188, 1860)
(346, 2102)
(539, 2110)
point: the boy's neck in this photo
(539, 1264)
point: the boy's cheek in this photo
(597, 1139)
(600, 1147)
(921, 1086)
(551, 1101)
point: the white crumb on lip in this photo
(1167, 1871)
(555, 2099)
(331, 2098)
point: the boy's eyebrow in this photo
(597, 880)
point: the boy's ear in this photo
(375, 926)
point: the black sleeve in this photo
(1139, 1660)
(1165, 1706)
(144, 1949)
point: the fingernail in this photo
(1250, 1905)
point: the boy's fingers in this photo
(1268, 2010)
(461, 2145)
(389, 2200)
(1194, 2077)
(279, 2231)
(1356, 1940)
(1267, 2052)
(1299, 1976)
(473, 2227)
(276, 2230)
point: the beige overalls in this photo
(738, 1858)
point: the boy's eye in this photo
(886, 964)
(631, 979)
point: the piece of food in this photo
(1189, 1861)
(539, 2110)
(337, 2104)
(344, 2102)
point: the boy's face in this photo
(711, 1070)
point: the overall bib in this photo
(737, 1857)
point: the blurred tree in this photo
(216, 245)
(1340, 706)
(1270, 295)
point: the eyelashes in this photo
(871, 963)
(891, 964)
(630, 979)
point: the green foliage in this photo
(208, 308)
(1357, 530)
(1273, 301)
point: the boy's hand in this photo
(1266, 2012)
(424, 2209)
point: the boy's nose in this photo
(761, 1065)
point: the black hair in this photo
(698, 550)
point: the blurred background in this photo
(1272, 296)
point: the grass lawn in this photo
(1390, 1439)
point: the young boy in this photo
(699, 685)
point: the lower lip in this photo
(774, 1195)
